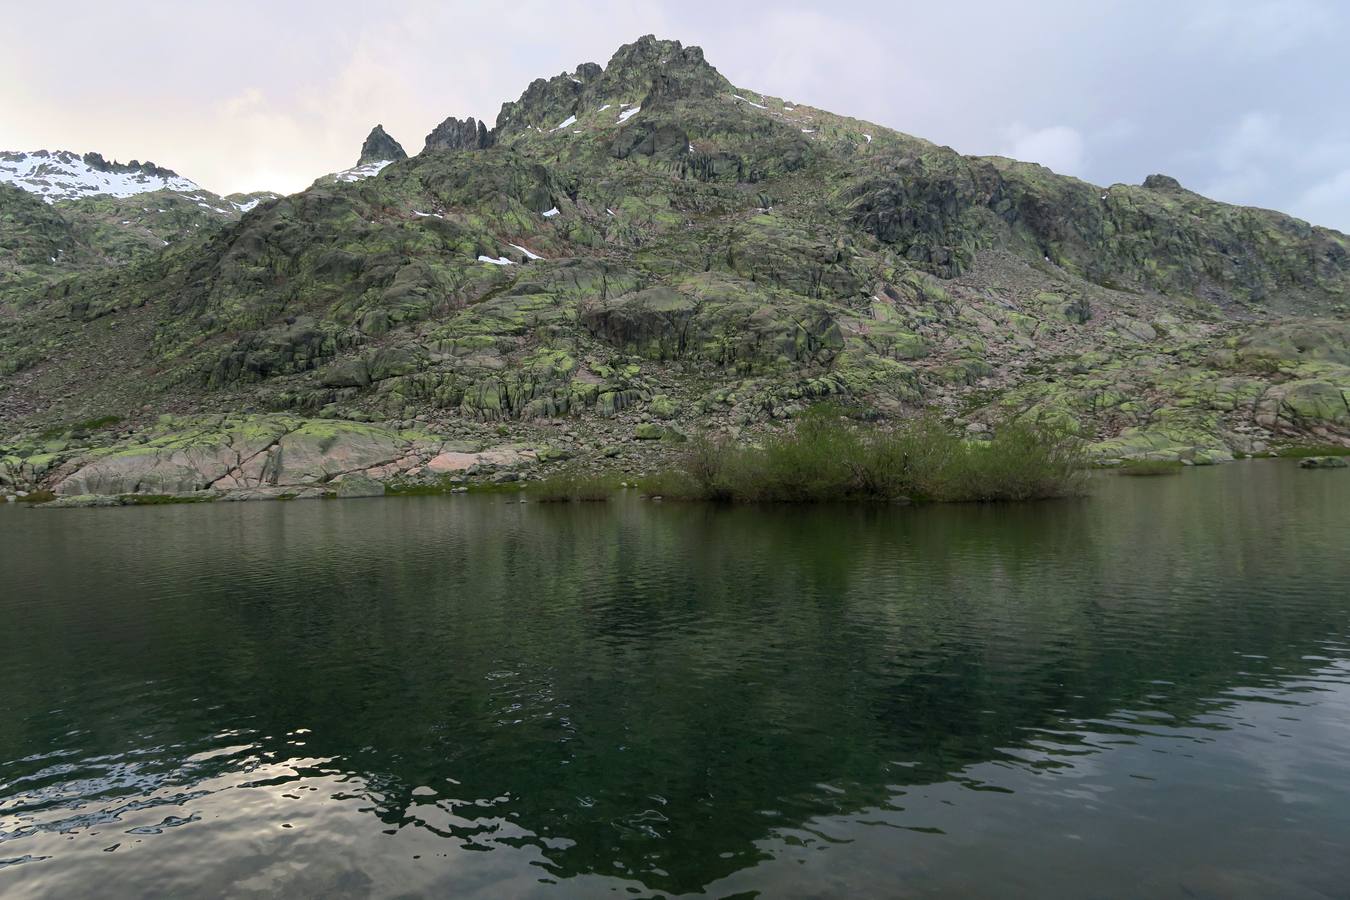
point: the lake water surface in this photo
(1141, 693)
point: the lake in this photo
(1144, 692)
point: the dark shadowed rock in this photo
(380, 146)
(668, 142)
(647, 73)
(1323, 462)
(1162, 183)
(457, 134)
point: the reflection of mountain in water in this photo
(645, 691)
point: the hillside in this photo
(63, 214)
(645, 243)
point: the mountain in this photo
(62, 213)
(66, 176)
(646, 244)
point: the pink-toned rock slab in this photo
(451, 462)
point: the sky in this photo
(1241, 100)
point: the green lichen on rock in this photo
(682, 249)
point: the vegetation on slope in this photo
(645, 241)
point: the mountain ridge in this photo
(646, 243)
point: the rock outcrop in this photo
(459, 134)
(379, 146)
(259, 457)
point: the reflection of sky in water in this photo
(1129, 793)
(981, 700)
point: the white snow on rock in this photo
(605, 107)
(610, 211)
(359, 172)
(249, 204)
(869, 138)
(751, 102)
(428, 215)
(496, 260)
(629, 113)
(528, 253)
(67, 176)
(551, 213)
(570, 120)
(808, 131)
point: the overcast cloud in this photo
(1243, 100)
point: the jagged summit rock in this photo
(1162, 183)
(379, 146)
(644, 73)
(659, 69)
(456, 134)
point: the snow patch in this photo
(605, 107)
(869, 138)
(808, 131)
(496, 260)
(570, 120)
(528, 253)
(428, 215)
(629, 113)
(66, 176)
(548, 214)
(359, 172)
(751, 102)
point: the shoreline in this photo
(616, 484)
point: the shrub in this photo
(571, 488)
(1299, 452)
(829, 458)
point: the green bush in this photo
(570, 488)
(827, 457)
(1299, 452)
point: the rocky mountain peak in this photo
(645, 72)
(654, 70)
(457, 134)
(379, 146)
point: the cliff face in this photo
(647, 240)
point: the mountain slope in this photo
(646, 241)
(97, 215)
